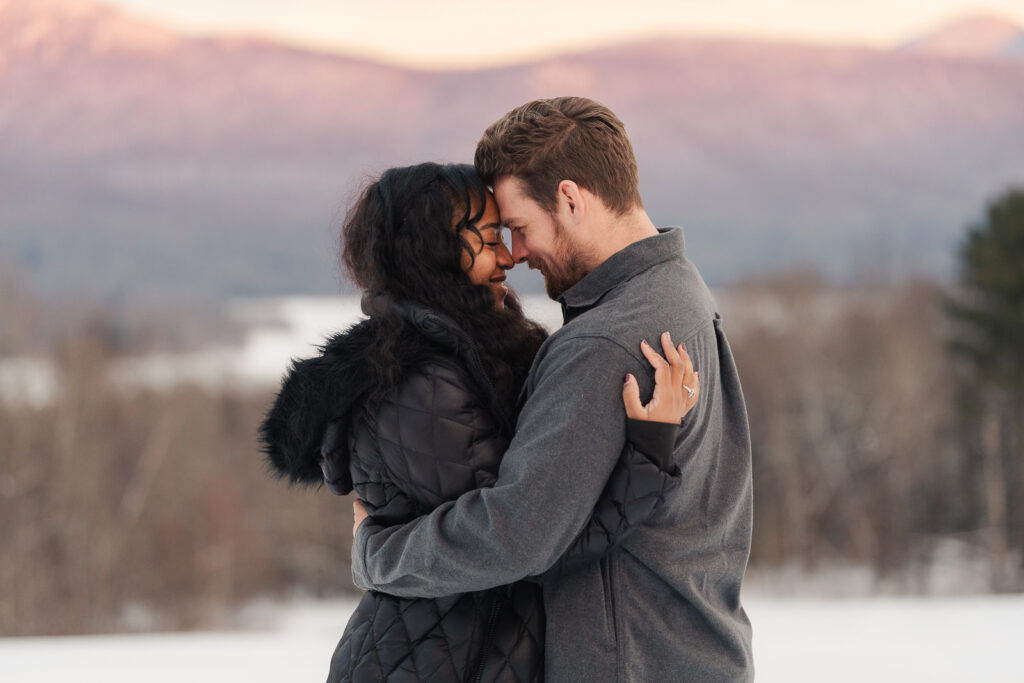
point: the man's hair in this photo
(545, 142)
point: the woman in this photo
(415, 406)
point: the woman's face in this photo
(492, 257)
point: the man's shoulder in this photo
(670, 296)
(583, 339)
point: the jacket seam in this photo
(689, 335)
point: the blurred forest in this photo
(143, 509)
(885, 418)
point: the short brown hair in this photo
(545, 142)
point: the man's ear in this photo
(571, 203)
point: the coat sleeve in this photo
(643, 476)
(568, 440)
(437, 442)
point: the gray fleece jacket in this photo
(665, 605)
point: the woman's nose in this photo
(504, 256)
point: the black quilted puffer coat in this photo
(432, 437)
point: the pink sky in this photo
(482, 32)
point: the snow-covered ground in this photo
(932, 640)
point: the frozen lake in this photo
(931, 640)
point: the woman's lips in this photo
(499, 283)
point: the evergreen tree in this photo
(987, 314)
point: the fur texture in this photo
(296, 435)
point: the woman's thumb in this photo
(631, 397)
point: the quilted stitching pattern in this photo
(430, 441)
(518, 638)
(399, 640)
(634, 490)
(460, 440)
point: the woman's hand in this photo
(359, 514)
(676, 385)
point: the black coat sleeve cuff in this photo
(657, 440)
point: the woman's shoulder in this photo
(438, 384)
(427, 441)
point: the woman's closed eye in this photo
(490, 238)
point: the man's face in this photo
(538, 238)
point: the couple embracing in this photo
(522, 515)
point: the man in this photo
(665, 604)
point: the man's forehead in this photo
(510, 197)
(509, 186)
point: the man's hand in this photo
(358, 515)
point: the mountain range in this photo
(137, 161)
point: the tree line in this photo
(885, 422)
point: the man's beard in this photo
(569, 268)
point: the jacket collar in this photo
(621, 266)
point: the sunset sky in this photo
(485, 32)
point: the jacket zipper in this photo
(488, 638)
(609, 597)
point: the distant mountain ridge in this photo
(136, 161)
(974, 36)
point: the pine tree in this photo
(987, 315)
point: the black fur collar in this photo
(317, 394)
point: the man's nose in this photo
(519, 252)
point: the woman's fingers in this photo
(671, 385)
(652, 356)
(676, 384)
(631, 397)
(694, 384)
(662, 370)
(690, 378)
(686, 360)
(666, 404)
(688, 373)
(674, 358)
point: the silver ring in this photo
(689, 391)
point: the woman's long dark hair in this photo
(398, 240)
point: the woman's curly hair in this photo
(398, 240)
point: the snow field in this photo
(933, 640)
